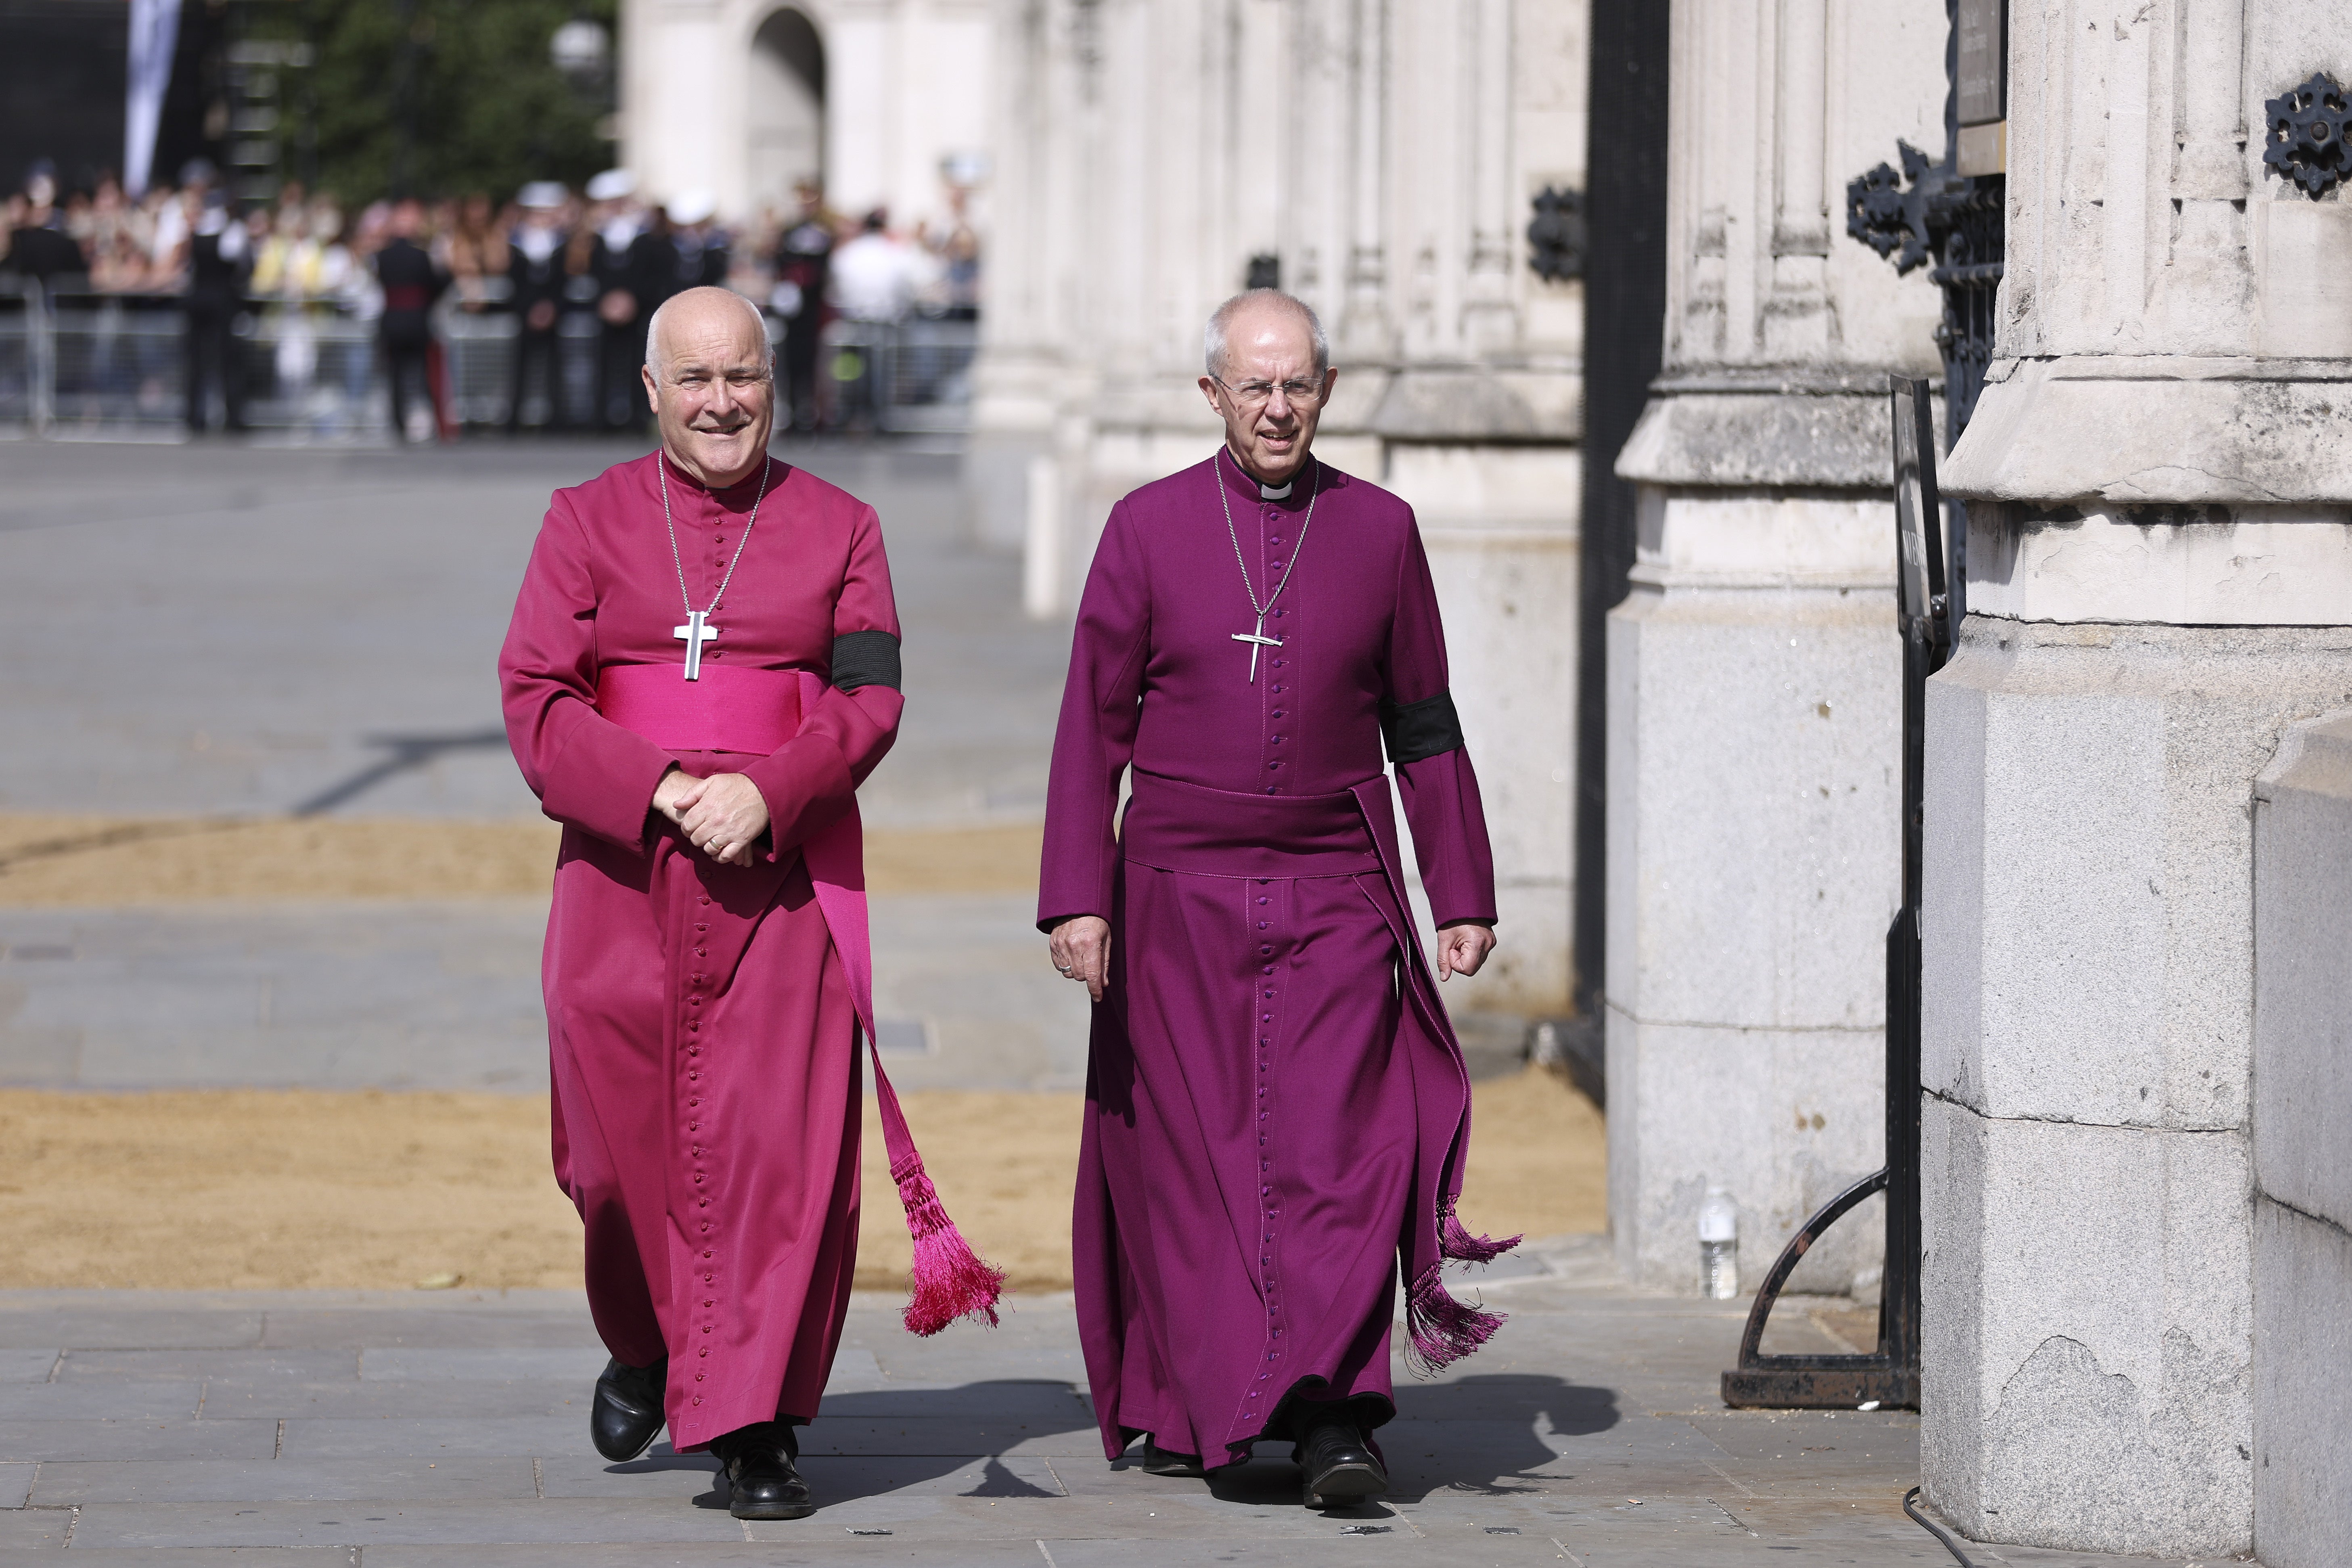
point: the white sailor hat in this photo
(612, 185)
(541, 195)
(692, 207)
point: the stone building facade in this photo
(743, 98)
(1378, 158)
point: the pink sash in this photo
(756, 711)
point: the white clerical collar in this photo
(1269, 492)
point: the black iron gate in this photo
(1950, 214)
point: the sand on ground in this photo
(308, 1189)
(47, 859)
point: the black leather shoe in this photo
(1337, 1468)
(626, 1413)
(762, 1480)
(1160, 1461)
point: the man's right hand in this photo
(1081, 947)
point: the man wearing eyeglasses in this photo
(1276, 1109)
(702, 668)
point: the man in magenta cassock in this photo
(702, 668)
(1276, 1109)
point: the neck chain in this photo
(1257, 638)
(697, 629)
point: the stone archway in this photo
(783, 120)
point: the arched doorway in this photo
(785, 121)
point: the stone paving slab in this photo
(159, 1441)
(193, 1557)
(1587, 1433)
(24, 1365)
(234, 1400)
(96, 1400)
(252, 1366)
(830, 1548)
(74, 1485)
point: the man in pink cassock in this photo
(1276, 1109)
(702, 668)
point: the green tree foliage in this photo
(487, 109)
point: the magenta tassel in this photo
(1455, 1241)
(1443, 1329)
(951, 1280)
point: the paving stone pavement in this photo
(406, 1430)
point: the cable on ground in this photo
(1938, 1530)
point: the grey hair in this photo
(1212, 339)
(654, 326)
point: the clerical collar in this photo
(1269, 492)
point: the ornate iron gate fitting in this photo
(1556, 234)
(2307, 128)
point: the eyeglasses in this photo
(1304, 393)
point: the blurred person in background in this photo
(804, 275)
(876, 274)
(535, 282)
(956, 246)
(603, 252)
(120, 238)
(219, 260)
(698, 245)
(471, 250)
(404, 269)
(876, 277)
(38, 246)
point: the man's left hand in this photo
(723, 816)
(1462, 949)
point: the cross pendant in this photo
(697, 631)
(1256, 639)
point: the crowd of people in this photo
(406, 271)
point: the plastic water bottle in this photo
(1718, 1246)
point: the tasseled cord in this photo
(1455, 1240)
(1443, 1329)
(951, 1280)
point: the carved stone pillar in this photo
(1754, 704)
(2159, 579)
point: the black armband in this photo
(1414, 730)
(865, 658)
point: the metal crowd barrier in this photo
(80, 365)
(909, 376)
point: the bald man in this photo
(1276, 1109)
(702, 668)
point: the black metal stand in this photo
(1890, 1374)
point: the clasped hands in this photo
(1081, 947)
(723, 816)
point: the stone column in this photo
(1754, 671)
(2160, 568)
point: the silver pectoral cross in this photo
(1256, 639)
(697, 631)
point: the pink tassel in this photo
(1455, 1241)
(950, 1280)
(1443, 1329)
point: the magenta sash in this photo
(1179, 827)
(730, 709)
(758, 712)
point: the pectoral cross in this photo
(1256, 639)
(697, 631)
